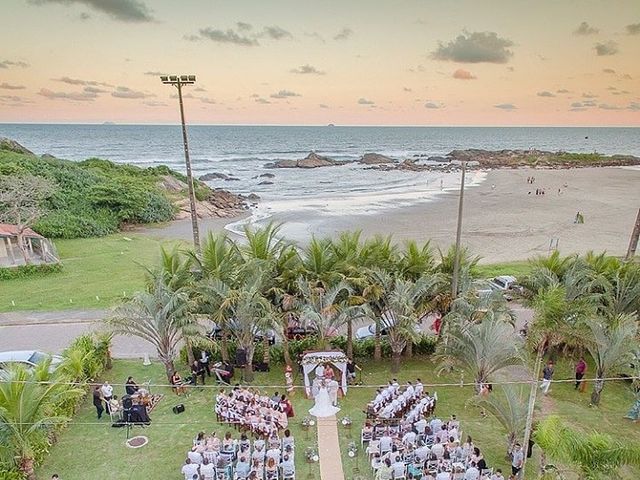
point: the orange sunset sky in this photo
(362, 62)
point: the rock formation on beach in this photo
(313, 160)
(375, 159)
(13, 146)
(217, 176)
(220, 203)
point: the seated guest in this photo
(199, 440)
(178, 384)
(207, 470)
(398, 468)
(130, 386)
(287, 440)
(443, 474)
(195, 456)
(385, 442)
(478, 459)
(385, 472)
(189, 469)
(243, 468)
(287, 466)
(472, 472)
(271, 468)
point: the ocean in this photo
(243, 152)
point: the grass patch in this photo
(170, 435)
(518, 269)
(103, 267)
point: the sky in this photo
(304, 62)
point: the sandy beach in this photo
(502, 220)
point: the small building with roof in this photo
(38, 249)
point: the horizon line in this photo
(110, 124)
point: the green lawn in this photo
(487, 434)
(105, 267)
(518, 269)
(92, 449)
(170, 435)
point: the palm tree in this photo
(507, 405)
(481, 348)
(415, 260)
(319, 262)
(611, 345)
(594, 456)
(218, 259)
(159, 316)
(327, 310)
(400, 304)
(244, 308)
(27, 413)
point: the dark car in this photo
(216, 334)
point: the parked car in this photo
(29, 358)
(504, 283)
(216, 334)
(369, 331)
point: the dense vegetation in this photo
(95, 197)
(37, 404)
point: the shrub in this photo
(24, 271)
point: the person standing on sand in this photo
(547, 375)
(581, 368)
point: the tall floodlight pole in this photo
(178, 81)
(456, 262)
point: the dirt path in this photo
(329, 449)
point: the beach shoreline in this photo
(504, 220)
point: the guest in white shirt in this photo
(472, 472)
(195, 457)
(207, 470)
(385, 443)
(189, 469)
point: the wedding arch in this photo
(311, 360)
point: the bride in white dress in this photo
(323, 406)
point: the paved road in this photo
(54, 331)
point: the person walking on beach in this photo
(581, 368)
(547, 375)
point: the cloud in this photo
(606, 49)
(276, 33)
(364, 101)
(13, 101)
(432, 105)
(563, 90)
(608, 70)
(589, 95)
(606, 106)
(585, 29)
(285, 94)
(199, 89)
(227, 36)
(506, 106)
(589, 103)
(133, 11)
(244, 27)
(307, 70)
(343, 34)
(8, 86)
(262, 100)
(577, 105)
(9, 64)
(626, 76)
(74, 96)
(154, 73)
(77, 81)
(154, 103)
(94, 90)
(406, 89)
(633, 29)
(126, 92)
(475, 47)
(545, 93)
(462, 74)
(634, 106)
(577, 109)
(323, 105)
(192, 38)
(208, 100)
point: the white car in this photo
(369, 331)
(503, 283)
(29, 358)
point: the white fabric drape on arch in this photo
(311, 360)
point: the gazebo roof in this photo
(8, 230)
